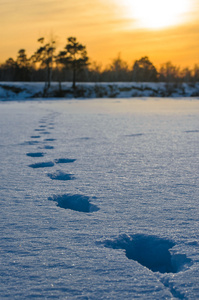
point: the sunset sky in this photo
(163, 30)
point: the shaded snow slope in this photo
(20, 91)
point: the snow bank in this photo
(23, 90)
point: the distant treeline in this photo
(73, 64)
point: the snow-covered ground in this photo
(99, 199)
(26, 90)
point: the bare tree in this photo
(169, 73)
(118, 70)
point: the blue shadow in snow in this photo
(134, 134)
(49, 140)
(59, 175)
(64, 160)
(192, 131)
(48, 147)
(45, 132)
(84, 138)
(150, 251)
(74, 202)
(30, 143)
(35, 154)
(40, 129)
(35, 136)
(42, 165)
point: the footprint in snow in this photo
(35, 136)
(150, 251)
(45, 132)
(134, 134)
(35, 154)
(48, 147)
(40, 129)
(49, 140)
(64, 160)
(30, 143)
(75, 202)
(42, 165)
(59, 175)
(192, 131)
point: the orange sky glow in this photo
(166, 32)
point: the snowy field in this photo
(99, 199)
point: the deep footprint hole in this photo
(40, 129)
(35, 136)
(59, 175)
(75, 202)
(30, 143)
(48, 147)
(45, 132)
(47, 164)
(151, 252)
(135, 135)
(49, 140)
(35, 154)
(64, 160)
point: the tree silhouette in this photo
(23, 66)
(169, 72)
(186, 75)
(22, 59)
(61, 60)
(144, 70)
(74, 57)
(45, 56)
(9, 70)
(10, 63)
(117, 70)
(196, 73)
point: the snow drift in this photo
(24, 90)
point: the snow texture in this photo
(106, 205)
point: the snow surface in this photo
(104, 205)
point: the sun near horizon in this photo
(156, 14)
(163, 30)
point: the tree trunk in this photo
(60, 86)
(74, 77)
(49, 75)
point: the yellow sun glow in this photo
(157, 14)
